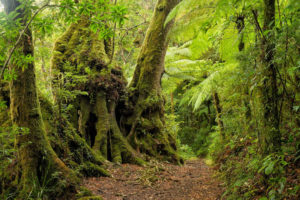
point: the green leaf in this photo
(272, 195)
(270, 168)
(263, 198)
(296, 108)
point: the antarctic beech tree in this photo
(78, 51)
(104, 116)
(36, 158)
(144, 126)
(270, 136)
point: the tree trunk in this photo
(37, 160)
(145, 125)
(270, 135)
(210, 114)
(4, 111)
(93, 115)
(240, 22)
(219, 115)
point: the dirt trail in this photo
(192, 181)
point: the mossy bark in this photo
(37, 159)
(240, 23)
(94, 115)
(270, 135)
(219, 114)
(4, 112)
(145, 124)
(69, 145)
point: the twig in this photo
(135, 26)
(257, 25)
(114, 41)
(279, 13)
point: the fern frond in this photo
(201, 92)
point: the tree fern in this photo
(201, 92)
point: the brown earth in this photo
(159, 181)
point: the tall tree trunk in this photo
(145, 125)
(240, 22)
(270, 136)
(37, 160)
(209, 113)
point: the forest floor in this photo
(159, 181)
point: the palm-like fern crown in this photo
(209, 46)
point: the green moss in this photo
(90, 169)
(83, 192)
(80, 47)
(5, 119)
(70, 146)
(147, 119)
(102, 125)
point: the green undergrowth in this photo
(186, 152)
(86, 194)
(249, 175)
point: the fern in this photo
(203, 91)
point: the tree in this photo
(145, 124)
(270, 137)
(82, 53)
(99, 114)
(37, 160)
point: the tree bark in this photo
(94, 114)
(219, 115)
(240, 22)
(37, 160)
(145, 125)
(270, 135)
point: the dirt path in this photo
(192, 181)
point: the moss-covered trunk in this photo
(4, 110)
(270, 135)
(37, 160)
(219, 114)
(240, 23)
(93, 115)
(145, 124)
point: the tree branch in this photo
(257, 24)
(114, 40)
(7, 62)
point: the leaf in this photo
(270, 168)
(263, 198)
(272, 195)
(296, 108)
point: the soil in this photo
(159, 181)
